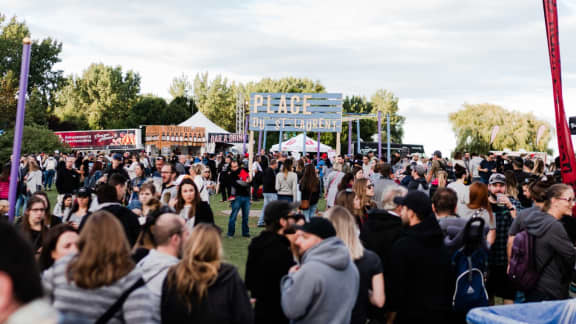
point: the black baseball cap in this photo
(83, 192)
(417, 201)
(117, 156)
(318, 226)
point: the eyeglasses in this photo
(370, 186)
(38, 209)
(570, 200)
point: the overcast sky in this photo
(434, 55)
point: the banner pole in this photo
(565, 148)
(19, 127)
(388, 153)
(318, 148)
(379, 135)
(358, 134)
(304, 143)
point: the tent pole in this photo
(304, 143)
(388, 137)
(264, 144)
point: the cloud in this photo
(434, 55)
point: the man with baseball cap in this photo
(504, 212)
(269, 259)
(421, 280)
(324, 287)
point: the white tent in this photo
(295, 145)
(200, 120)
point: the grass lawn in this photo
(236, 248)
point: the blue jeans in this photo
(49, 178)
(21, 202)
(268, 197)
(310, 212)
(241, 202)
(285, 198)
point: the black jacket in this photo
(213, 172)
(269, 259)
(127, 218)
(421, 280)
(269, 181)
(67, 181)
(242, 188)
(225, 302)
(313, 197)
(380, 232)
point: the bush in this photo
(35, 139)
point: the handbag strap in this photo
(107, 316)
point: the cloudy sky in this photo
(434, 55)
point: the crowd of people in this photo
(132, 238)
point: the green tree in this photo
(473, 126)
(42, 78)
(35, 139)
(149, 110)
(180, 109)
(216, 99)
(103, 95)
(387, 103)
(180, 87)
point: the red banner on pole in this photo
(567, 159)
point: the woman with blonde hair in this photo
(203, 289)
(33, 178)
(371, 289)
(348, 199)
(85, 286)
(201, 184)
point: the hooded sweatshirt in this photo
(154, 268)
(551, 243)
(226, 301)
(325, 288)
(421, 279)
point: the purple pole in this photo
(259, 142)
(379, 135)
(19, 127)
(349, 137)
(318, 150)
(244, 136)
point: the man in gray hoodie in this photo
(323, 288)
(170, 232)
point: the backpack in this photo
(471, 263)
(523, 271)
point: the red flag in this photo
(567, 159)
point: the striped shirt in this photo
(90, 304)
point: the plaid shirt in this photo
(503, 218)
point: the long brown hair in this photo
(103, 253)
(287, 167)
(310, 180)
(360, 191)
(479, 198)
(200, 263)
(180, 203)
(345, 198)
(26, 228)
